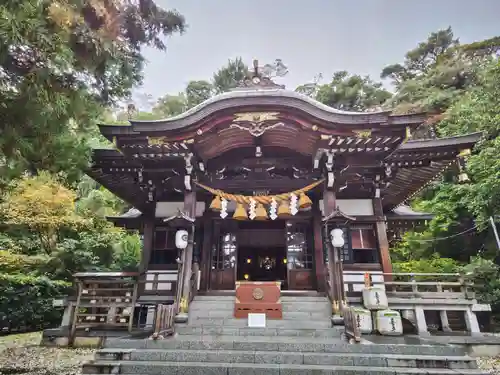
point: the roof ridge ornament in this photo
(261, 77)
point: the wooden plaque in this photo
(258, 297)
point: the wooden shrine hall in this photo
(258, 177)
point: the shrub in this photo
(26, 302)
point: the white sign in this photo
(57, 303)
(257, 320)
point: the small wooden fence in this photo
(108, 301)
(352, 329)
(164, 321)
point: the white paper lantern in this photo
(337, 237)
(181, 239)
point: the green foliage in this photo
(61, 61)
(352, 92)
(433, 264)
(13, 263)
(486, 276)
(197, 92)
(42, 205)
(461, 83)
(26, 301)
(127, 254)
(230, 75)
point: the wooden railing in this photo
(111, 301)
(105, 300)
(351, 325)
(164, 321)
(422, 285)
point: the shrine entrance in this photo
(262, 254)
(262, 251)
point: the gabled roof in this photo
(405, 212)
(267, 99)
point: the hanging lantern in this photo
(304, 201)
(260, 212)
(216, 204)
(240, 213)
(284, 209)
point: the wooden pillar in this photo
(319, 258)
(383, 242)
(335, 268)
(206, 251)
(148, 233)
(189, 209)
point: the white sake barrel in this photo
(375, 299)
(363, 320)
(389, 323)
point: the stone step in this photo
(282, 344)
(287, 307)
(224, 368)
(303, 299)
(215, 298)
(332, 359)
(278, 323)
(287, 299)
(267, 332)
(289, 315)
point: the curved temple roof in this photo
(232, 125)
(269, 99)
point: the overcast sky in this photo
(310, 36)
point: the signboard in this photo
(57, 303)
(257, 320)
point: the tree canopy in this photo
(61, 62)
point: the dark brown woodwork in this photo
(258, 297)
(319, 259)
(223, 279)
(299, 279)
(147, 243)
(383, 243)
(206, 250)
(222, 272)
(187, 263)
(147, 249)
(290, 146)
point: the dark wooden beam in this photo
(383, 243)
(319, 259)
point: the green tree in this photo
(42, 205)
(459, 84)
(351, 92)
(197, 92)
(61, 61)
(228, 77)
(171, 105)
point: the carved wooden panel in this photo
(258, 297)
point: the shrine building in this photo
(258, 177)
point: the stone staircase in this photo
(214, 343)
